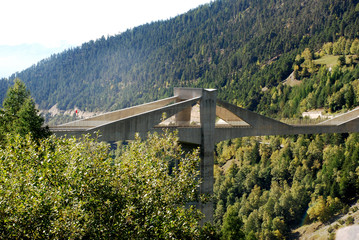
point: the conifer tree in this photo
(19, 114)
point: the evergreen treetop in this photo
(19, 114)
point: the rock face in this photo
(348, 233)
(291, 81)
(314, 114)
(79, 113)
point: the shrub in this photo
(349, 220)
(70, 189)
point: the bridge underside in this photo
(200, 119)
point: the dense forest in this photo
(287, 182)
(267, 186)
(327, 79)
(249, 50)
(227, 44)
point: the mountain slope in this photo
(225, 45)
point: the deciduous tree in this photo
(74, 189)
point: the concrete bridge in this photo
(201, 120)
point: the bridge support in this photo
(208, 119)
(207, 141)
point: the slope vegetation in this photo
(225, 45)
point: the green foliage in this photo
(332, 86)
(209, 231)
(313, 176)
(354, 49)
(349, 220)
(236, 46)
(19, 114)
(72, 189)
(328, 48)
(158, 180)
(307, 65)
(15, 97)
(341, 60)
(324, 209)
(331, 236)
(232, 224)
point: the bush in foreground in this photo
(72, 189)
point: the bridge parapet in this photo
(342, 118)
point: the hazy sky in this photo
(34, 29)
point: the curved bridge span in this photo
(201, 119)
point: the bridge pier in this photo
(208, 119)
(207, 141)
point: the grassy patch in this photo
(328, 60)
(331, 60)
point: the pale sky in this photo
(32, 30)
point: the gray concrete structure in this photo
(218, 121)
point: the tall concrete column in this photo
(208, 118)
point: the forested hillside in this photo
(287, 182)
(267, 186)
(227, 44)
(327, 79)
